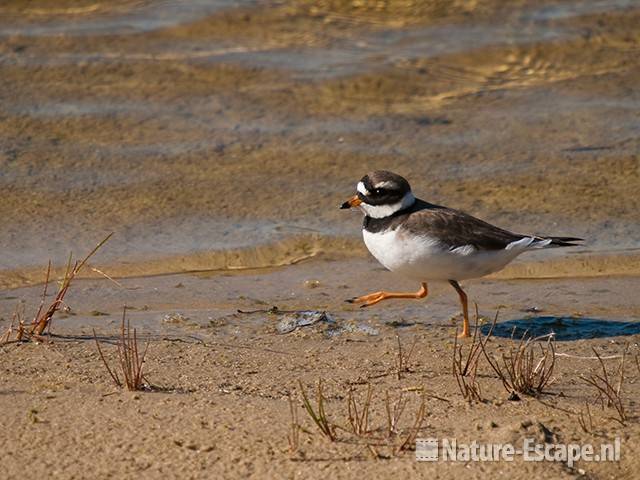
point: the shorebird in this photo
(427, 242)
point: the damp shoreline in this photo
(523, 116)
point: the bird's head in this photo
(381, 194)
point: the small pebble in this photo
(174, 318)
(311, 283)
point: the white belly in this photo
(424, 259)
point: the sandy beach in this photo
(221, 380)
(216, 140)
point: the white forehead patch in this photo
(386, 184)
(362, 189)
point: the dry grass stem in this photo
(319, 417)
(380, 441)
(402, 360)
(294, 430)
(43, 319)
(465, 367)
(359, 418)
(374, 453)
(589, 357)
(43, 300)
(394, 413)
(410, 439)
(521, 371)
(17, 317)
(129, 358)
(108, 277)
(609, 391)
(582, 421)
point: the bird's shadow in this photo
(563, 328)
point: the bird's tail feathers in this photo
(548, 242)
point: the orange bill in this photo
(352, 202)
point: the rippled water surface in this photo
(190, 128)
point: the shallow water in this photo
(201, 306)
(225, 134)
(117, 18)
(563, 329)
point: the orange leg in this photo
(377, 297)
(465, 309)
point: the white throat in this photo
(382, 211)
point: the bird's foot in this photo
(368, 300)
(466, 331)
(464, 334)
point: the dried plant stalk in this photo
(402, 360)
(112, 373)
(319, 417)
(609, 390)
(465, 372)
(294, 430)
(17, 317)
(520, 371)
(361, 428)
(359, 420)
(394, 413)
(582, 421)
(410, 439)
(129, 359)
(42, 319)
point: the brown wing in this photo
(455, 228)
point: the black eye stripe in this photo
(385, 191)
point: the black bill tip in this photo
(345, 205)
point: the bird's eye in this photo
(379, 191)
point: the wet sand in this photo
(217, 142)
(221, 379)
(245, 127)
